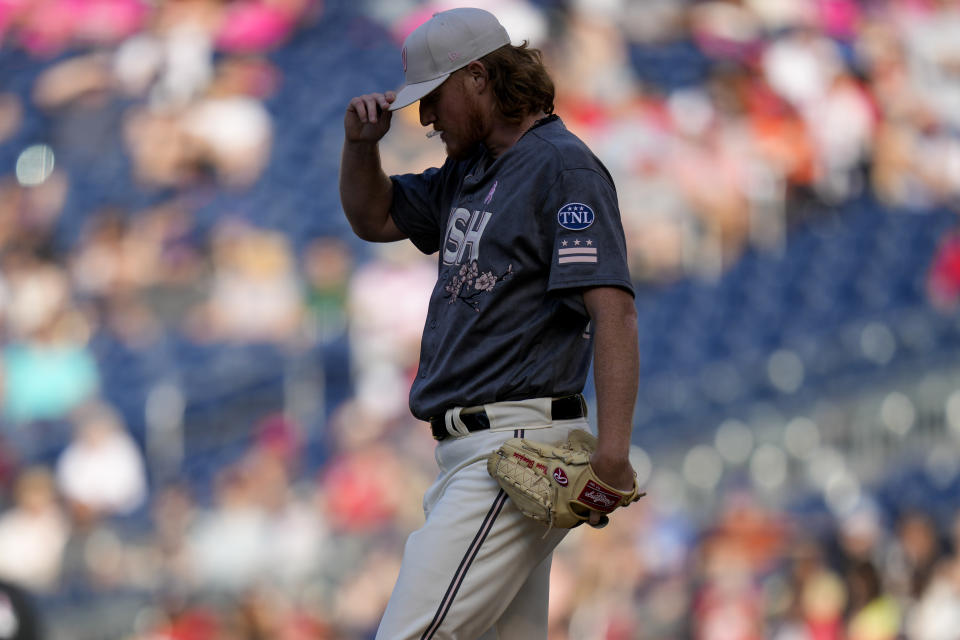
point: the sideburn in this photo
(475, 127)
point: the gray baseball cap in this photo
(448, 41)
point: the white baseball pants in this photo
(478, 569)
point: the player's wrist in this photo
(616, 470)
(361, 143)
(612, 451)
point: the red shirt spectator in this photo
(943, 281)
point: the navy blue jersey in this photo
(518, 238)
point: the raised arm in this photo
(365, 190)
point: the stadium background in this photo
(204, 426)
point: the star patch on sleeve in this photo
(582, 251)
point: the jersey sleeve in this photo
(416, 207)
(582, 218)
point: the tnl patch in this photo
(575, 216)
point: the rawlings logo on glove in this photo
(564, 496)
(599, 498)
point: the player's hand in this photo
(615, 471)
(367, 118)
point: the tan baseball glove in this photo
(555, 484)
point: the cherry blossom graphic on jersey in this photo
(468, 284)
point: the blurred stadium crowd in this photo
(204, 430)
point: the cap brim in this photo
(413, 92)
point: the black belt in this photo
(565, 408)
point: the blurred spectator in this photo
(913, 557)
(841, 124)
(38, 292)
(823, 601)
(726, 30)
(873, 615)
(363, 595)
(387, 303)
(327, 266)
(8, 467)
(81, 80)
(701, 148)
(48, 367)
(161, 153)
(227, 542)
(263, 613)
(185, 621)
(295, 531)
(47, 27)
(255, 294)
(231, 134)
(933, 53)
(102, 468)
(594, 60)
(943, 278)
(279, 440)
(152, 259)
(728, 599)
(727, 604)
(11, 114)
(173, 513)
(862, 536)
(801, 66)
(360, 492)
(260, 25)
(936, 615)
(654, 21)
(29, 215)
(33, 533)
(221, 133)
(601, 604)
(94, 560)
(272, 524)
(110, 259)
(810, 603)
(173, 60)
(358, 489)
(782, 139)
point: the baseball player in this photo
(532, 283)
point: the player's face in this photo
(453, 111)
